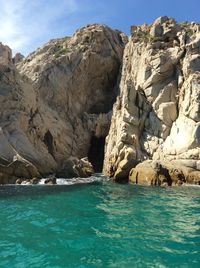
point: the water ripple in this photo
(99, 225)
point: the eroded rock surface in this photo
(55, 100)
(56, 105)
(157, 114)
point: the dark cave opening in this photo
(96, 153)
(48, 140)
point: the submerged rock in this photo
(18, 181)
(34, 180)
(50, 181)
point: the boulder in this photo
(164, 173)
(50, 181)
(19, 168)
(75, 167)
(34, 180)
(18, 181)
(150, 173)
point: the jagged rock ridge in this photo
(157, 114)
(57, 103)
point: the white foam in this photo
(72, 181)
(191, 185)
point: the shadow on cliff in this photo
(96, 153)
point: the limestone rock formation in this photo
(157, 114)
(55, 100)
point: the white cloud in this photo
(24, 22)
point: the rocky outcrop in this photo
(55, 100)
(56, 106)
(157, 114)
(5, 55)
(165, 173)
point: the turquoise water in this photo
(99, 225)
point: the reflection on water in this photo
(163, 221)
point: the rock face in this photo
(56, 106)
(54, 101)
(157, 114)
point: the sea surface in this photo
(99, 224)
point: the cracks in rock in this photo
(111, 44)
(32, 115)
(179, 70)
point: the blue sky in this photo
(26, 25)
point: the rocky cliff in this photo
(156, 118)
(56, 102)
(56, 105)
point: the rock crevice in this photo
(55, 100)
